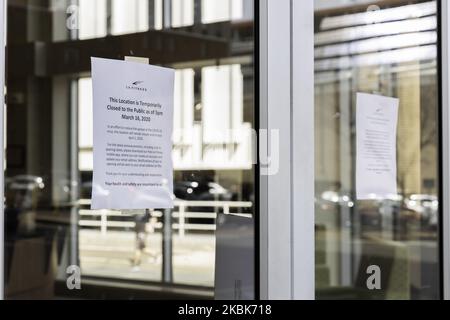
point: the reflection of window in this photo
(208, 111)
(182, 13)
(129, 16)
(183, 104)
(198, 96)
(222, 96)
(85, 124)
(92, 19)
(224, 10)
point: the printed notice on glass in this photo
(133, 123)
(376, 153)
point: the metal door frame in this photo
(444, 56)
(286, 46)
(2, 150)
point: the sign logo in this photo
(136, 85)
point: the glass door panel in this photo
(389, 49)
(50, 230)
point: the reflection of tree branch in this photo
(428, 137)
(429, 123)
(428, 140)
(401, 179)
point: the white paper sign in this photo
(376, 155)
(133, 123)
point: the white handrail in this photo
(194, 203)
(181, 215)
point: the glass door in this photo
(51, 234)
(383, 247)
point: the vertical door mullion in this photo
(2, 149)
(302, 139)
(275, 156)
(287, 184)
(445, 89)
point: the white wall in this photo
(130, 16)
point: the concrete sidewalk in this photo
(111, 256)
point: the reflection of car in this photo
(23, 190)
(201, 191)
(184, 190)
(86, 190)
(25, 182)
(426, 206)
(65, 186)
(372, 213)
(331, 199)
(22, 194)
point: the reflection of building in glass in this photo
(208, 135)
(49, 133)
(213, 113)
(390, 51)
(129, 16)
